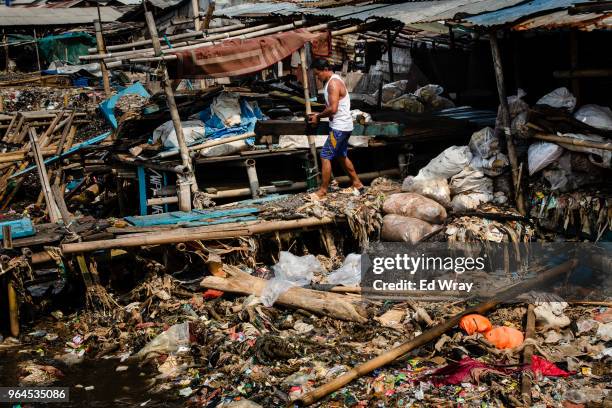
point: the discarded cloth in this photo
(241, 57)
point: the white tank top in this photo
(342, 120)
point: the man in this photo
(338, 110)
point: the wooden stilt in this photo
(505, 119)
(52, 209)
(101, 50)
(527, 355)
(36, 46)
(311, 139)
(188, 185)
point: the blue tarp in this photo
(215, 129)
(108, 105)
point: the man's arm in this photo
(333, 98)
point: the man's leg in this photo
(325, 177)
(348, 167)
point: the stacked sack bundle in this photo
(410, 216)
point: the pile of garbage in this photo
(568, 157)
(18, 99)
(425, 99)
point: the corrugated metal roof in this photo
(18, 16)
(559, 19)
(515, 13)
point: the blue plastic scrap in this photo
(107, 106)
(20, 228)
(182, 217)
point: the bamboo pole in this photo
(13, 310)
(429, 335)
(117, 56)
(101, 50)
(574, 142)
(505, 119)
(188, 183)
(193, 234)
(195, 8)
(527, 355)
(181, 36)
(52, 209)
(209, 14)
(37, 52)
(311, 139)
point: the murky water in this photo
(111, 388)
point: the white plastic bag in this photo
(192, 130)
(469, 201)
(224, 149)
(599, 117)
(291, 270)
(168, 341)
(448, 163)
(541, 154)
(349, 273)
(471, 181)
(407, 102)
(559, 98)
(227, 107)
(429, 92)
(493, 166)
(393, 90)
(484, 143)
(436, 189)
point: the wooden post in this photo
(37, 53)
(505, 120)
(390, 55)
(195, 7)
(184, 187)
(527, 355)
(13, 310)
(102, 50)
(52, 209)
(311, 139)
(7, 66)
(7, 239)
(209, 13)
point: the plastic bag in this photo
(516, 105)
(475, 323)
(360, 116)
(416, 206)
(541, 154)
(448, 163)
(471, 181)
(349, 273)
(493, 166)
(440, 103)
(559, 98)
(519, 126)
(599, 117)
(398, 228)
(226, 107)
(407, 102)
(505, 337)
(436, 189)
(393, 90)
(484, 143)
(429, 92)
(192, 130)
(291, 270)
(469, 201)
(168, 341)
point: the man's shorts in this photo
(336, 144)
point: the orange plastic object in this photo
(505, 337)
(475, 323)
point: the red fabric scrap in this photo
(546, 368)
(212, 294)
(465, 369)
